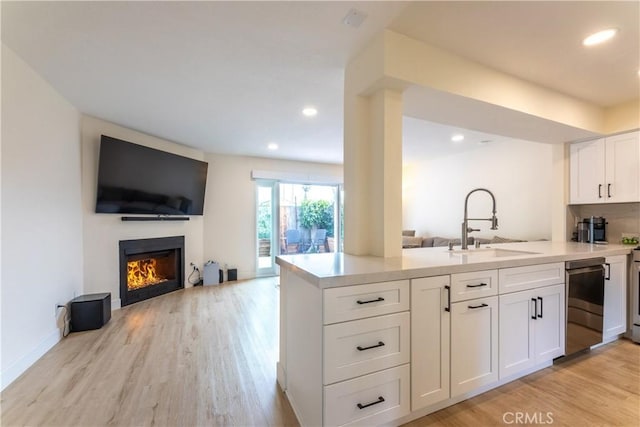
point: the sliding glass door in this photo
(309, 220)
(296, 219)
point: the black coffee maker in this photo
(593, 230)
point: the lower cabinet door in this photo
(615, 297)
(550, 323)
(369, 400)
(474, 344)
(430, 326)
(516, 332)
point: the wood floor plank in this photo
(206, 356)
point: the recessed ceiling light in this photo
(354, 18)
(600, 37)
(272, 146)
(457, 137)
(309, 111)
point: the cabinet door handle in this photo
(477, 286)
(370, 301)
(540, 315)
(535, 309)
(599, 191)
(609, 190)
(478, 306)
(608, 276)
(380, 400)
(448, 289)
(380, 344)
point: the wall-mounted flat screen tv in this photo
(134, 179)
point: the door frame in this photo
(275, 214)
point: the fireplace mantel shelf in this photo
(155, 218)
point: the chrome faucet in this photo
(465, 223)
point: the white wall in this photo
(230, 206)
(102, 232)
(41, 215)
(518, 173)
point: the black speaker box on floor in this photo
(90, 311)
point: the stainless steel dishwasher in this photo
(585, 302)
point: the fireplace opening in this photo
(150, 267)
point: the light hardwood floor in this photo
(206, 357)
(201, 356)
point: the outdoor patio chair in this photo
(292, 238)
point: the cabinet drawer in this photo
(358, 302)
(477, 284)
(530, 277)
(369, 400)
(363, 346)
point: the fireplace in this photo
(150, 267)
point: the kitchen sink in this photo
(491, 253)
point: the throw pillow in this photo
(409, 233)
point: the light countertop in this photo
(327, 270)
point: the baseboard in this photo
(116, 304)
(16, 369)
(281, 376)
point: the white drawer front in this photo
(477, 284)
(364, 346)
(530, 277)
(386, 393)
(358, 302)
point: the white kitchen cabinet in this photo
(549, 334)
(605, 170)
(475, 284)
(474, 344)
(357, 302)
(615, 296)
(369, 400)
(532, 328)
(363, 346)
(622, 168)
(430, 320)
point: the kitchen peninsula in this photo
(372, 340)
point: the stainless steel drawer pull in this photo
(478, 306)
(370, 301)
(380, 400)
(477, 286)
(380, 344)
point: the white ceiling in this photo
(230, 77)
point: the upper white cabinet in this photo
(605, 170)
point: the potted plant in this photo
(315, 215)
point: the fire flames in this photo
(142, 273)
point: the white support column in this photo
(373, 173)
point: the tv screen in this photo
(133, 179)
